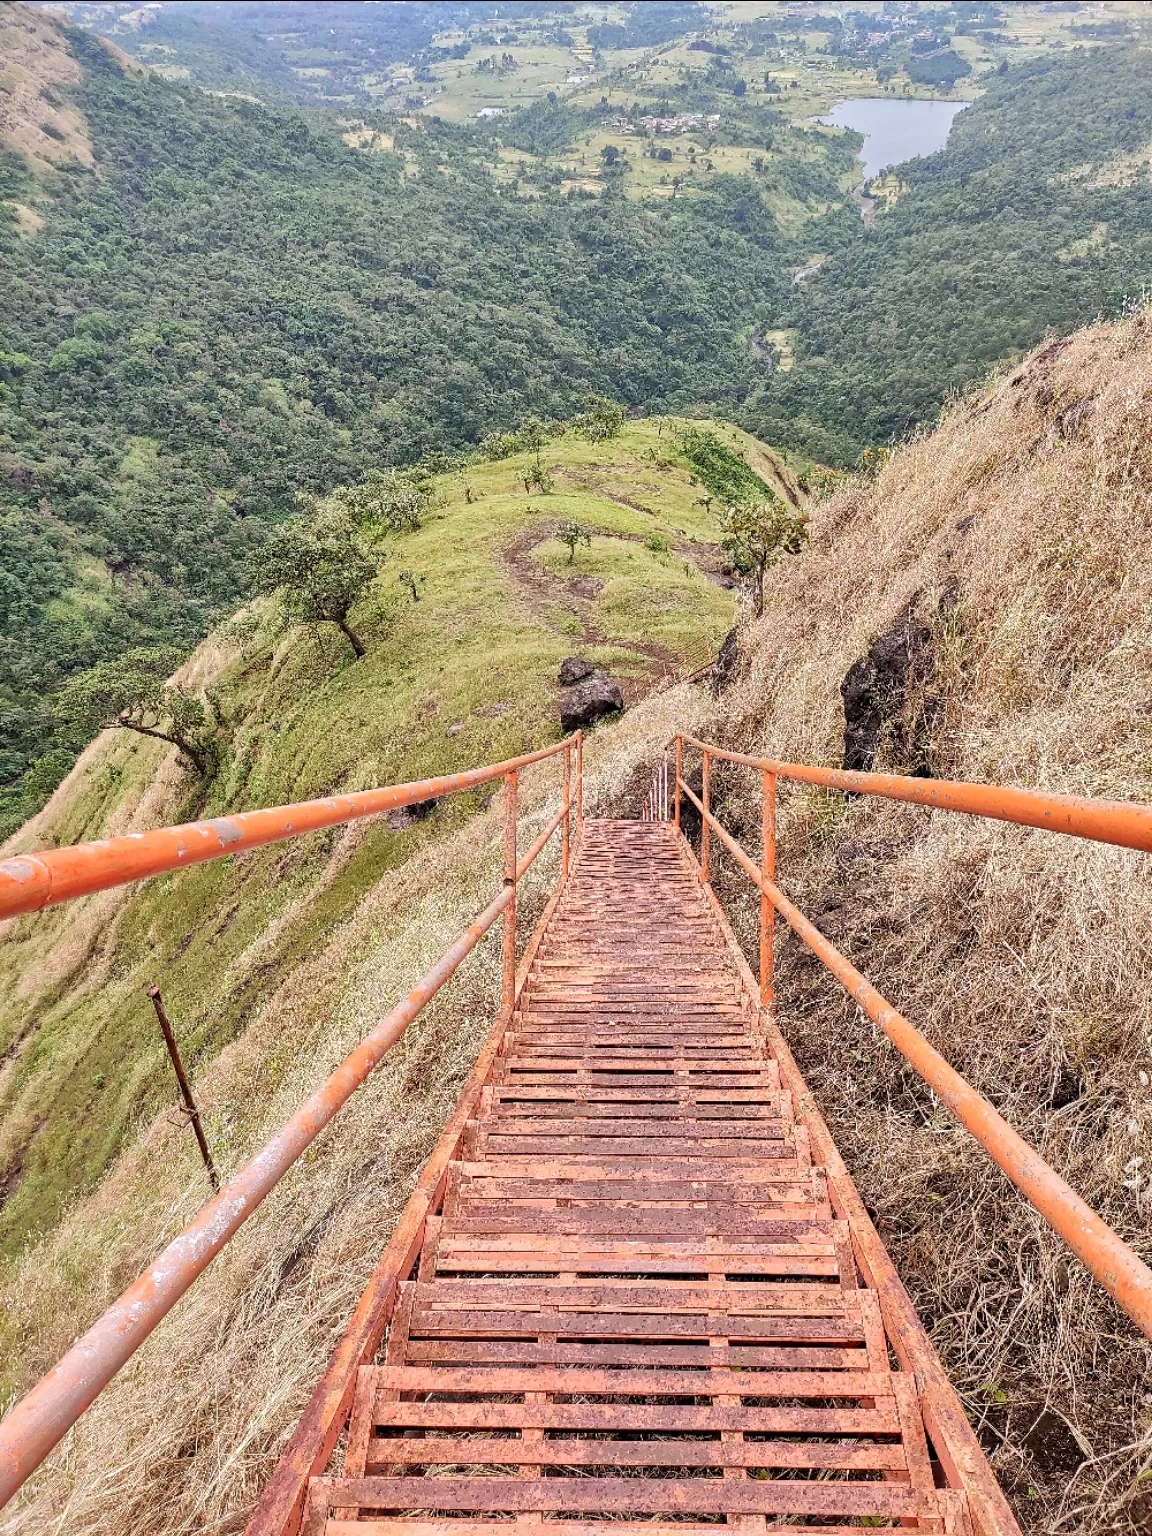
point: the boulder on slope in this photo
(588, 701)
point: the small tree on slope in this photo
(131, 693)
(571, 533)
(321, 570)
(757, 533)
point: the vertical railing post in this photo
(508, 991)
(579, 781)
(189, 1103)
(565, 825)
(705, 829)
(676, 786)
(767, 910)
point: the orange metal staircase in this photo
(635, 1286)
(642, 1299)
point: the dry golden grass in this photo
(184, 1440)
(34, 59)
(1020, 534)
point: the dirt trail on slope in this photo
(578, 593)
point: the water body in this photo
(895, 130)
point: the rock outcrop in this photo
(574, 669)
(589, 701)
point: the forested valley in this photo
(241, 309)
(235, 307)
(1036, 217)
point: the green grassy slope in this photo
(465, 675)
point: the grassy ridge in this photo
(465, 675)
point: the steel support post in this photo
(767, 910)
(188, 1104)
(508, 991)
(705, 827)
(565, 825)
(679, 775)
(579, 780)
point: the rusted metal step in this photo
(639, 1309)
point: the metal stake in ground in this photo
(189, 1104)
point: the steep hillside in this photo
(37, 121)
(992, 589)
(273, 964)
(220, 307)
(1003, 562)
(464, 674)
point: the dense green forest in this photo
(238, 308)
(1037, 216)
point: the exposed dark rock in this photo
(726, 661)
(1066, 1090)
(689, 816)
(409, 815)
(874, 689)
(889, 690)
(588, 701)
(1056, 1449)
(574, 669)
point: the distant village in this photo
(685, 123)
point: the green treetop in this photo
(320, 569)
(757, 533)
(132, 693)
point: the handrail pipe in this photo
(1122, 1273)
(41, 1418)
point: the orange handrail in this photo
(30, 881)
(1128, 825)
(42, 1417)
(1121, 1272)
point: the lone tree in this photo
(321, 570)
(601, 419)
(571, 534)
(532, 434)
(757, 533)
(132, 694)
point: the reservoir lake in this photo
(895, 130)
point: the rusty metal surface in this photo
(636, 1301)
(1121, 1272)
(43, 1416)
(1127, 824)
